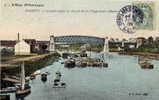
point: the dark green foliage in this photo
(152, 46)
(32, 66)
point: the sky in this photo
(43, 23)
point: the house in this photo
(32, 43)
(7, 44)
(42, 46)
(140, 41)
(22, 48)
(7, 47)
(37, 46)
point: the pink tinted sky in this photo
(40, 25)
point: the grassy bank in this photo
(31, 66)
(149, 55)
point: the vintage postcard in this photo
(79, 49)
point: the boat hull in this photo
(70, 64)
(23, 93)
(147, 66)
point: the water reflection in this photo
(22, 97)
(122, 80)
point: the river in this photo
(122, 80)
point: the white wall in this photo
(22, 48)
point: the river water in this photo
(122, 80)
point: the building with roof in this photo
(140, 41)
(22, 48)
(7, 44)
(32, 43)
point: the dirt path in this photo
(12, 62)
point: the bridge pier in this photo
(52, 44)
(106, 45)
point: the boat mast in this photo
(22, 76)
(104, 57)
(90, 52)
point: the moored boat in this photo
(24, 88)
(70, 63)
(23, 91)
(44, 77)
(59, 85)
(144, 63)
(147, 65)
(83, 54)
(57, 77)
(36, 72)
(32, 77)
(105, 65)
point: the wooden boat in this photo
(144, 63)
(44, 77)
(8, 90)
(36, 72)
(22, 92)
(32, 77)
(24, 88)
(83, 54)
(65, 55)
(70, 63)
(59, 85)
(4, 97)
(105, 65)
(57, 77)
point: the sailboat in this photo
(103, 60)
(57, 77)
(24, 88)
(57, 81)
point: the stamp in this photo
(148, 9)
(138, 16)
(128, 17)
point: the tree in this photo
(150, 40)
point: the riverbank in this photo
(149, 55)
(32, 63)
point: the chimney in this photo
(18, 37)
